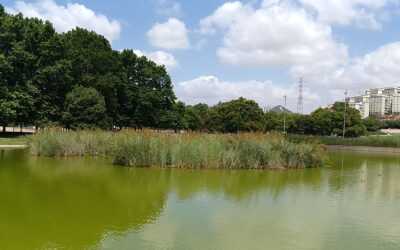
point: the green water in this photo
(89, 204)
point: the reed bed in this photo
(189, 150)
(391, 141)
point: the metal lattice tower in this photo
(300, 101)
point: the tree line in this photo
(76, 80)
(247, 115)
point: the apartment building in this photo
(377, 102)
(361, 103)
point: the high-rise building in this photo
(377, 102)
(377, 105)
(396, 104)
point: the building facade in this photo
(377, 102)
(361, 103)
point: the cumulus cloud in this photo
(282, 33)
(273, 34)
(172, 34)
(323, 84)
(225, 16)
(363, 13)
(378, 68)
(211, 90)
(160, 57)
(67, 17)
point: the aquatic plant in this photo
(392, 141)
(147, 148)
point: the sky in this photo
(218, 50)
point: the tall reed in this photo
(392, 141)
(191, 150)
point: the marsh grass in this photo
(20, 140)
(392, 141)
(190, 150)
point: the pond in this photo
(90, 204)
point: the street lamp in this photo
(284, 115)
(344, 114)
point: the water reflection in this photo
(89, 204)
(72, 204)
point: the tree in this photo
(40, 67)
(322, 120)
(237, 115)
(196, 117)
(85, 108)
(146, 92)
(372, 124)
(329, 121)
(391, 124)
(2, 12)
(8, 113)
(175, 118)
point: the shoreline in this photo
(329, 147)
(13, 146)
(363, 149)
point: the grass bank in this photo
(388, 141)
(192, 150)
(21, 140)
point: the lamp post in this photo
(344, 114)
(284, 115)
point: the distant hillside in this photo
(280, 109)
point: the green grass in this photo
(192, 150)
(392, 141)
(22, 140)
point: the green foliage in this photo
(197, 117)
(372, 124)
(395, 124)
(55, 143)
(370, 141)
(38, 68)
(323, 121)
(85, 108)
(237, 115)
(191, 150)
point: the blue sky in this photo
(219, 50)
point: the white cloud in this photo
(67, 17)
(168, 8)
(363, 13)
(299, 38)
(172, 34)
(211, 90)
(376, 69)
(160, 57)
(225, 16)
(274, 34)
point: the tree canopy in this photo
(40, 68)
(323, 121)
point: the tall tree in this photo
(237, 115)
(84, 108)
